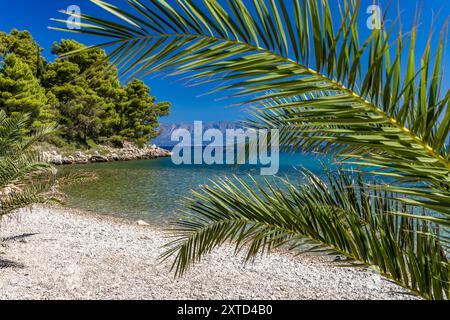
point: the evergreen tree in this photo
(93, 105)
(86, 90)
(80, 93)
(21, 92)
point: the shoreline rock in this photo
(129, 152)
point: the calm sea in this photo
(151, 189)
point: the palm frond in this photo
(339, 214)
(25, 178)
(329, 91)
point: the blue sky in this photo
(187, 106)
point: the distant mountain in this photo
(166, 129)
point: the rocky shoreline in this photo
(128, 152)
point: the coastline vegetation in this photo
(66, 106)
(332, 92)
(81, 96)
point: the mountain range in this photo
(166, 130)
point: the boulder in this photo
(98, 158)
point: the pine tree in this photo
(81, 93)
(139, 113)
(92, 103)
(86, 91)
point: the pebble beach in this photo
(61, 253)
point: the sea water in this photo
(151, 190)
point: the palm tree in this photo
(331, 93)
(25, 178)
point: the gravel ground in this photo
(59, 253)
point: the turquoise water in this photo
(151, 189)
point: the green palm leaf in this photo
(339, 214)
(355, 102)
(25, 178)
